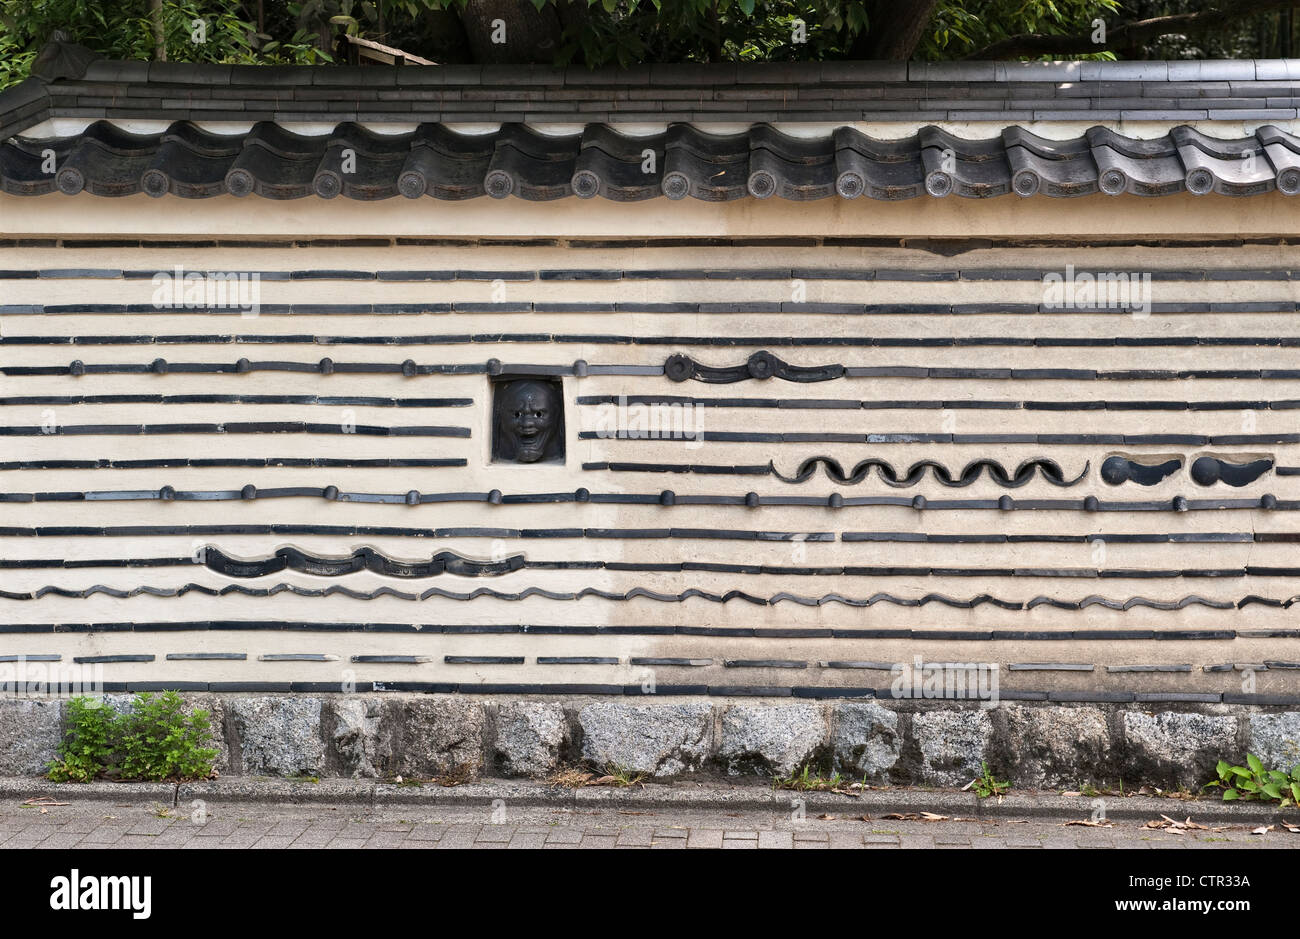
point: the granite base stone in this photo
(881, 742)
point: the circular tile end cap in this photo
(498, 184)
(239, 183)
(850, 185)
(761, 184)
(938, 184)
(154, 183)
(1026, 183)
(585, 184)
(327, 184)
(675, 185)
(412, 185)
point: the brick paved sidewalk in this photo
(101, 824)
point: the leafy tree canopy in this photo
(626, 32)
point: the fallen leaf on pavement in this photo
(44, 800)
(1291, 827)
(1263, 830)
(916, 817)
(604, 781)
(826, 818)
(1177, 827)
(1087, 823)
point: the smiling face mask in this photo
(529, 416)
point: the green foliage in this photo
(598, 32)
(961, 27)
(1252, 782)
(985, 785)
(806, 779)
(87, 747)
(155, 741)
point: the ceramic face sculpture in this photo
(528, 418)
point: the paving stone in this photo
(636, 836)
(704, 838)
(501, 833)
(564, 836)
(775, 839)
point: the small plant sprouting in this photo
(87, 747)
(1252, 782)
(985, 785)
(155, 741)
(805, 780)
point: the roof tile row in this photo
(353, 161)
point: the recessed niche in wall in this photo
(527, 420)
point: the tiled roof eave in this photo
(351, 161)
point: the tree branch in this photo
(1129, 35)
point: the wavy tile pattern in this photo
(357, 163)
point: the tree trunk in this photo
(894, 29)
(530, 36)
(159, 35)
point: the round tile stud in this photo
(327, 184)
(667, 497)
(494, 366)
(413, 497)
(494, 497)
(1091, 504)
(326, 366)
(581, 495)
(585, 184)
(918, 503)
(1206, 471)
(243, 366)
(408, 368)
(1115, 470)
(77, 367)
(762, 365)
(835, 500)
(1006, 504)
(412, 184)
(498, 184)
(580, 368)
(938, 184)
(761, 184)
(850, 185)
(330, 492)
(1268, 501)
(158, 366)
(1112, 182)
(69, 181)
(751, 499)
(167, 493)
(1180, 503)
(240, 183)
(1199, 181)
(679, 367)
(248, 493)
(1025, 183)
(675, 185)
(154, 183)
(1288, 181)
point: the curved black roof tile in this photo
(515, 160)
